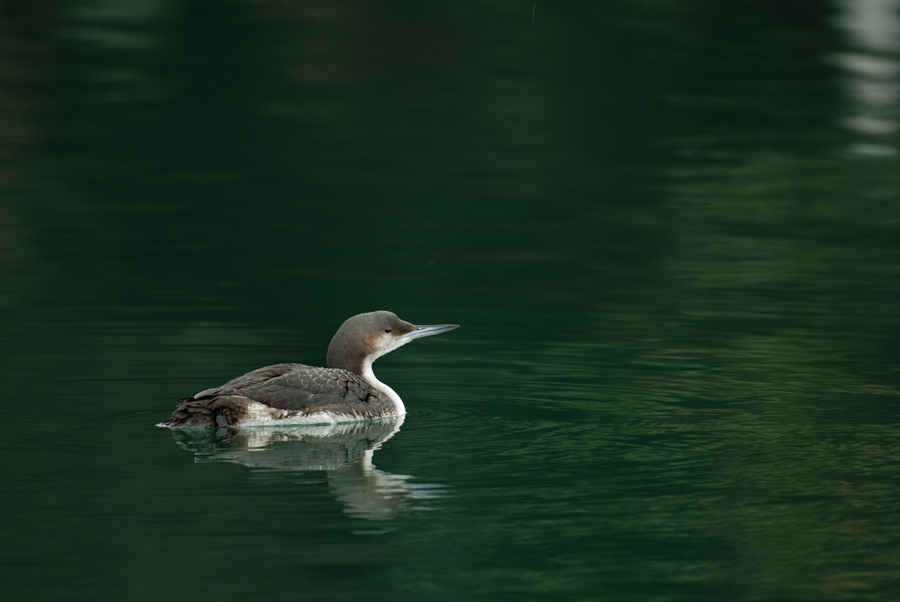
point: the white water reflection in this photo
(343, 451)
(872, 68)
(127, 29)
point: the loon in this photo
(345, 391)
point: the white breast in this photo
(399, 408)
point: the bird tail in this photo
(191, 413)
(219, 410)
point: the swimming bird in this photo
(346, 391)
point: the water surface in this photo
(669, 230)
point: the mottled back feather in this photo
(296, 389)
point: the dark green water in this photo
(670, 230)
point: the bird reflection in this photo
(343, 451)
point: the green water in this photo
(670, 230)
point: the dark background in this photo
(670, 230)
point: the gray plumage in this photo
(345, 391)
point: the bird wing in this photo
(295, 387)
(256, 376)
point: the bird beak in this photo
(427, 331)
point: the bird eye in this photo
(387, 329)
